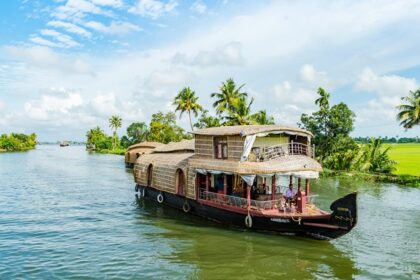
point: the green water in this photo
(68, 214)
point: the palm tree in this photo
(228, 97)
(115, 123)
(409, 114)
(186, 101)
(374, 158)
(323, 100)
(241, 113)
(262, 118)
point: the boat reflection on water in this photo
(219, 253)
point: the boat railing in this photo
(236, 201)
(310, 199)
(276, 151)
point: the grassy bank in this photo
(407, 157)
(117, 151)
(407, 180)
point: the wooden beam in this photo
(273, 187)
(248, 196)
(207, 184)
(224, 184)
(307, 187)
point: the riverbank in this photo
(118, 151)
(405, 180)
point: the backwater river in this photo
(69, 214)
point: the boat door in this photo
(149, 175)
(180, 182)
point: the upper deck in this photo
(265, 148)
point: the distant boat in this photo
(64, 144)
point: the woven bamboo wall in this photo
(235, 147)
(191, 184)
(165, 167)
(204, 146)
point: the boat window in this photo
(220, 147)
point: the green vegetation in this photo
(335, 148)
(163, 128)
(136, 132)
(407, 180)
(17, 142)
(331, 127)
(402, 140)
(409, 114)
(407, 157)
(374, 158)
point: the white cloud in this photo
(46, 58)
(153, 8)
(70, 27)
(287, 95)
(386, 85)
(112, 3)
(380, 112)
(78, 9)
(44, 42)
(64, 40)
(198, 7)
(113, 28)
(104, 105)
(57, 102)
(230, 54)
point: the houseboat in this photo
(257, 177)
(136, 150)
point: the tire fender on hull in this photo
(186, 207)
(248, 221)
(160, 198)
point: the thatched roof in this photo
(161, 159)
(182, 146)
(287, 163)
(244, 130)
(151, 145)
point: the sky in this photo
(67, 65)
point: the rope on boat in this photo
(298, 220)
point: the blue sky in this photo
(68, 65)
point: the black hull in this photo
(340, 222)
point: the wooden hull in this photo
(326, 227)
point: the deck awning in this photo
(296, 165)
(249, 178)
